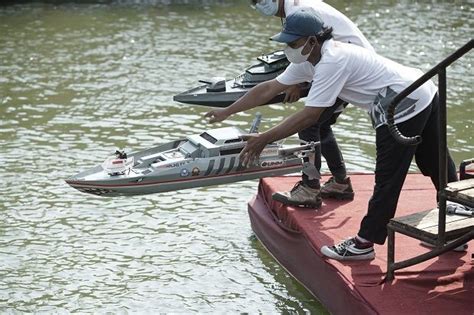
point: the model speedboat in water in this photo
(209, 158)
(219, 92)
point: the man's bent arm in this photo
(293, 124)
(296, 122)
(258, 95)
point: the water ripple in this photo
(80, 80)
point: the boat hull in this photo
(209, 158)
(200, 96)
(218, 92)
(151, 185)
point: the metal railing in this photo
(440, 70)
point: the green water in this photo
(80, 79)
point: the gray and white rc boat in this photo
(219, 92)
(209, 158)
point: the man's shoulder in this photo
(296, 73)
(336, 49)
(292, 5)
(333, 51)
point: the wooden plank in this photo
(430, 219)
(419, 219)
(408, 230)
(412, 231)
(463, 224)
(466, 197)
(467, 194)
(461, 191)
(426, 224)
(460, 185)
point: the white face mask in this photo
(294, 54)
(267, 7)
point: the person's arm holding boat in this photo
(291, 125)
(258, 95)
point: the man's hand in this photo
(291, 125)
(292, 94)
(216, 115)
(251, 152)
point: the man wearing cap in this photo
(309, 192)
(344, 29)
(364, 79)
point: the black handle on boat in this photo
(428, 75)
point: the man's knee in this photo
(311, 133)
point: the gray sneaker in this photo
(300, 196)
(350, 249)
(335, 190)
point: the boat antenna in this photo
(256, 123)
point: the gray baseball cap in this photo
(302, 22)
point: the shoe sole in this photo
(285, 201)
(327, 252)
(337, 196)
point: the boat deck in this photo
(294, 236)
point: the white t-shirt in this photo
(362, 78)
(344, 30)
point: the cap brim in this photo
(283, 37)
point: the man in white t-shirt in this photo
(309, 192)
(344, 29)
(365, 79)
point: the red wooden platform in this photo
(294, 236)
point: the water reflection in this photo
(80, 79)
(296, 299)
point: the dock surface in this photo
(294, 236)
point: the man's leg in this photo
(306, 193)
(392, 164)
(427, 152)
(427, 157)
(330, 149)
(322, 131)
(312, 134)
(339, 185)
